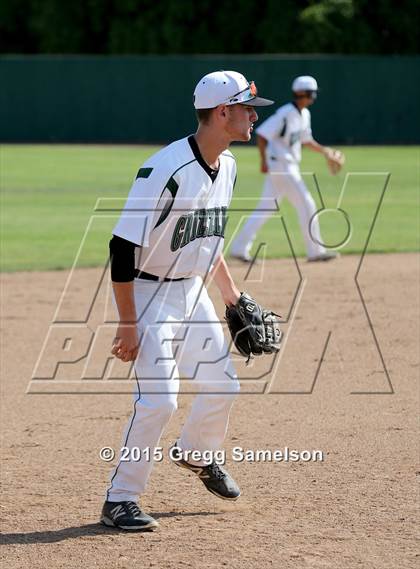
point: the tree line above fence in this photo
(206, 26)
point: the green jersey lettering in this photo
(202, 223)
(195, 225)
(211, 214)
(178, 233)
(199, 224)
(224, 221)
(186, 238)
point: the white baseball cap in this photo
(304, 83)
(226, 88)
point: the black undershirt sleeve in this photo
(122, 259)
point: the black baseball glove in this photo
(254, 329)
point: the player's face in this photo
(311, 98)
(240, 119)
(306, 98)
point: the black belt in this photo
(148, 277)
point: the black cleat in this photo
(215, 479)
(328, 256)
(127, 516)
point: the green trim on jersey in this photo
(172, 186)
(283, 130)
(144, 173)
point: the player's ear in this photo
(222, 110)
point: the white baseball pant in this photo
(286, 182)
(181, 336)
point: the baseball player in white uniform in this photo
(167, 240)
(279, 140)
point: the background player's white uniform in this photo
(285, 132)
(176, 214)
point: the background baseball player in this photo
(279, 140)
(169, 236)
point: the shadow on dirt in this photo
(83, 531)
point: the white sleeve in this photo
(273, 126)
(306, 134)
(140, 212)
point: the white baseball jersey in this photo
(176, 211)
(285, 132)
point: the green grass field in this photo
(48, 195)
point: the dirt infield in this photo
(335, 387)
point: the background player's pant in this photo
(180, 336)
(277, 185)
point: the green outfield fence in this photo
(148, 99)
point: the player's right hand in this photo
(264, 167)
(126, 343)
